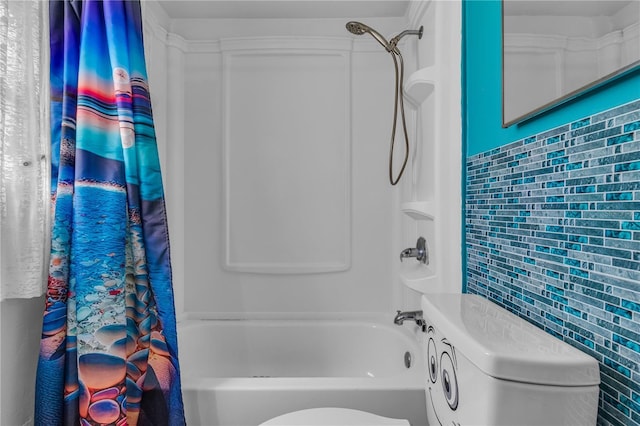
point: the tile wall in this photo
(553, 234)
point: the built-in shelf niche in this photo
(419, 210)
(418, 277)
(421, 221)
(419, 91)
(420, 85)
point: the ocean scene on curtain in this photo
(108, 353)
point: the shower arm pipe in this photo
(393, 43)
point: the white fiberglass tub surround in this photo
(243, 372)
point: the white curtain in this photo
(24, 147)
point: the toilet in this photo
(333, 416)
(486, 366)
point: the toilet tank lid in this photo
(505, 346)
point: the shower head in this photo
(358, 28)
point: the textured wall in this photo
(553, 234)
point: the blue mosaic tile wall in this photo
(553, 235)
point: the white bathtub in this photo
(243, 372)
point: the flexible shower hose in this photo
(399, 99)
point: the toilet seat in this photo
(331, 416)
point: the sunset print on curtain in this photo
(108, 353)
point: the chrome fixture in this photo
(420, 252)
(415, 316)
(358, 28)
(407, 359)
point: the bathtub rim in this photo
(408, 380)
(377, 317)
(408, 330)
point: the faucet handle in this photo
(420, 252)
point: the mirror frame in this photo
(581, 91)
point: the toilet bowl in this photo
(331, 416)
(486, 366)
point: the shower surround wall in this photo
(280, 127)
(277, 154)
(553, 234)
(286, 142)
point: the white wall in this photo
(20, 328)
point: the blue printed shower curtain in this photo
(108, 353)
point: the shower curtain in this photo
(24, 139)
(108, 353)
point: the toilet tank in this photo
(487, 366)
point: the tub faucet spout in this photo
(415, 316)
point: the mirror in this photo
(553, 51)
